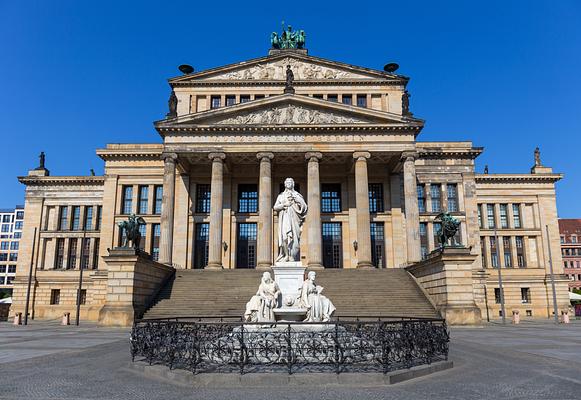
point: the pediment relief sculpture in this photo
(290, 114)
(276, 71)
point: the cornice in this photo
(62, 180)
(509, 178)
(297, 83)
(290, 128)
(470, 154)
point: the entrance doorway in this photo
(246, 246)
(332, 245)
(201, 245)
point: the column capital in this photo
(313, 156)
(361, 155)
(217, 156)
(169, 157)
(264, 156)
(409, 156)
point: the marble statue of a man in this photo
(261, 305)
(319, 308)
(292, 210)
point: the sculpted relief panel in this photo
(290, 114)
(276, 71)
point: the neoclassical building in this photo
(346, 135)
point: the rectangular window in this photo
(436, 195)
(83, 297)
(318, 96)
(18, 226)
(143, 199)
(332, 245)
(258, 96)
(6, 218)
(246, 246)
(2, 269)
(76, 218)
(493, 252)
(331, 197)
(72, 258)
(230, 100)
(9, 280)
(375, 197)
(479, 216)
(490, 216)
(2, 280)
(203, 196)
(516, 216)
(156, 230)
(143, 233)
(59, 253)
(4, 245)
(437, 230)
(507, 251)
(377, 244)
(201, 245)
(17, 235)
(525, 295)
(99, 218)
(127, 200)
(503, 216)
(19, 214)
(5, 228)
(14, 246)
(333, 98)
(13, 257)
(3, 256)
(244, 98)
(215, 102)
(157, 199)
(483, 252)
(85, 253)
(497, 298)
(247, 198)
(421, 198)
(12, 269)
(520, 253)
(452, 191)
(55, 296)
(63, 218)
(361, 100)
(88, 223)
(347, 99)
(96, 254)
(424, 250)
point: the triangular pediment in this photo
(271, 68)
(289, 110)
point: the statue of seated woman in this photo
(319, 308)
(261, 305)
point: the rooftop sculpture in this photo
(288, 39)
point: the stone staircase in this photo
(381, 292)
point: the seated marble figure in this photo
(261, 305)
(319, 308)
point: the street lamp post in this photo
(555, 310)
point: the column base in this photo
(315, 266)
(214, 266)
(264, 266)
(365, 265)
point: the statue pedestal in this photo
(290, 314)
(289, 276)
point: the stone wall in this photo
(132, 282)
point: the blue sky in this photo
(77, 75)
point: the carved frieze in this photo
(276, 71)
(290, 114)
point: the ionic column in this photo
(167, 208)
(216, 200)
(362, 205)
(412, 215)
(264, 259)
(314, 233)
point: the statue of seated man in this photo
(319, 308)
(261, 305)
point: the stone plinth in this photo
(447, 278)
(133, 280)
(289, 276)
(290, 314)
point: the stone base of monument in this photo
(289, 276)
(274, 380)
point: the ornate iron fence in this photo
(338, 346)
